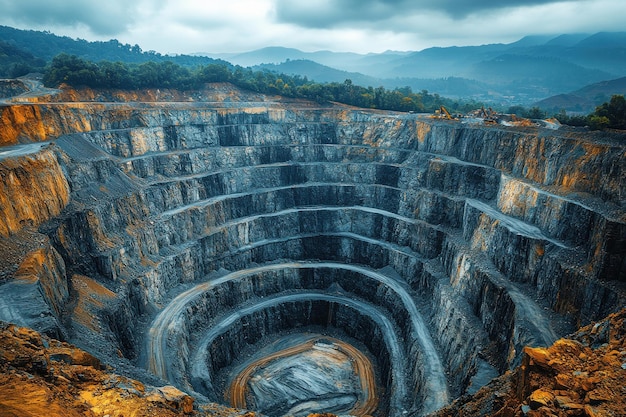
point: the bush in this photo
(607, 115)
(611, 114)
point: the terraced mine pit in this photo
(294, 259)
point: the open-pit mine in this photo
(290, 258)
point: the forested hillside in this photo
(43, 46)
(75, 71)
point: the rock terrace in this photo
(298, 260)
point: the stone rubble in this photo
(582, 375)
(40, 376)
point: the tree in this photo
(213, 73)
(597, 122)
(612, 114)
(147, 75)
(535, 113)
(407, 104)
(72, 70)
(517, 110)
(77, 72)
(115, 75)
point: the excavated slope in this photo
(292, 259)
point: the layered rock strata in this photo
(441, 249)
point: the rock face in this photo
(33, 187)
(437, 249)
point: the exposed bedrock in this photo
(290, 367)
(439, 249)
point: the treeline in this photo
(15, 62)
(611, 115)
(77, 72)
(46, 45)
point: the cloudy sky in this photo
(187, 26)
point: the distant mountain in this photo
(533, 40)
(583, 59)
(269, 55)
(586, 99)
(535, 76)
(603, 90)
(604, 40)
(450, 87)
(345, 61)
(605, 52)
(522, 72)
(318, 72)
(566, 40)
(15, 62)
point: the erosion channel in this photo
(290, 258)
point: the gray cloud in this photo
(184, 26)
(101, 18)
(336, 13)
(461, 8)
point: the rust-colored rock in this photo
(541, 398)
(74, 356)
(102, 230)
(173, 398)
(571, 347)
(557, 382)
(611, 359)
(564, 382)
(34, 189)
(590, 412)
(597, 396)
(589, 384)
(44, 377)
(538, 356)
(567, 403)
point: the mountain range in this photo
(523, 72)
(567, 72)
(586, 99)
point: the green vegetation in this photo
(532, 113)
(46, 45)
(15, 62)
(77, 72)
(112, 64)
(611, 115)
